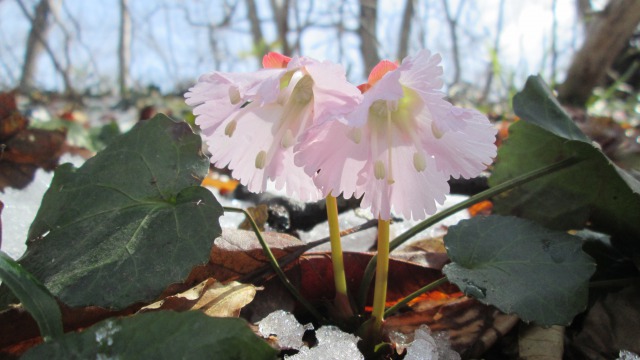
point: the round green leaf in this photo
(594, 192)
(159, 335)
(520, 267)
(129, 222)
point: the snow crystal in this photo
(21, 206)
(333, 344)
(430, 346)
(331, 334)
(628, 355)
(400, 340)
(285, 327)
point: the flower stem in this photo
(392, 310)
(274, 263)
(507, 185)
(382, 273)
(339, 277)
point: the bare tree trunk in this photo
(423, 26)
(35, 42)
(367, 33)
(609, 32)
(280, 10)
(124, 49)
(259, 44)
(453, 25)
(405, 30)
(584, 10)
(496, 52)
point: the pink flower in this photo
(401, 144)
(252, 121)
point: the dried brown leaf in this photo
(212, 297)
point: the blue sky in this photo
(170, 53)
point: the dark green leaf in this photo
(129, 222)
(520, 267)
(594, 191)
(537, 105)
(159, 335)
(33, 296)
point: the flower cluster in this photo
(394, 141)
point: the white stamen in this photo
(288, 139)
(419, 161)
(234, 95)
(436, 132)
(378, 170)
(230, 128)
(303, 91)
(355, 135)
(379, 107)
(261, 160)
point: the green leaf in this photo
(520, 267)
(129, 222)
(594, 191)
(537, 105)
(33, 296)
(159, 335)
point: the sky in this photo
(171, 53)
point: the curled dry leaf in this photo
(212, 297)
(429, 252)
(540, 343)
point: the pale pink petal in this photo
(422, 73)
(239, 151)
(403, 189)
(333, 94)
(217, 95)
(387, 88)
(413, 194)
(253, 134)
(331, 147)
(465, 153)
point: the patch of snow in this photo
(628, 355)
(333, 344)
(425, 345)
(21, 207)
(285, 327)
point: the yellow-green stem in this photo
(382, 274)
(339, 277)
